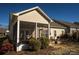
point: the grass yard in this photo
(54, 49)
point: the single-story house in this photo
(34, 22)
(56, 30)
(70, 27)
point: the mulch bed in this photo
(40, 52)
(58, 49)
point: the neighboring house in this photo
(70, 27)
(56, 30)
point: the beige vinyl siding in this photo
(33, 16)
(72, 30)
(58, 32)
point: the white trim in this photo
(37, 7)
(49, 31)
(17, 14)
(36, 30)
(18, 32)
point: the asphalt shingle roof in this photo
(67, 24)
(56, 25)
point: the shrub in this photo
(6, 47)
(34, 44)
(65, 36)
(44, 42)
(75, 36)
(1, 41)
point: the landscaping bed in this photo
(40, 52)
(65, 48)
(68, 48)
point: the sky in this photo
(65, 12)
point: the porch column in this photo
(49, 31)
(36, 30)
(18, 32)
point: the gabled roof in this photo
(67, 24)
(31, 9)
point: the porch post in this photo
(18, 32)
(49, 31)
(36, 30)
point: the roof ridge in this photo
(26, 10)
(37, 8)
